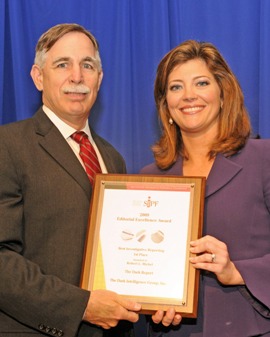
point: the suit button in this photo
(47, 329)
(41, 326)
(54, 331)
(60, 333)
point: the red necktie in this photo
(88, 154)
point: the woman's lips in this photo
(192, 110)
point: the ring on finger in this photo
(213, 258)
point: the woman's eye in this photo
(203, 83)
(175, 87)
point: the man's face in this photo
(70, 78)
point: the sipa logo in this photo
(150, 203)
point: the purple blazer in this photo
(237, 206)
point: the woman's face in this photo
(193, 98)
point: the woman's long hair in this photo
(234, 123)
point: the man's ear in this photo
(37, 76)
(100, 79)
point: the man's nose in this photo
(76, 74)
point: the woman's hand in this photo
(213, 256)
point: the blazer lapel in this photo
(56, 146)
(223, 171)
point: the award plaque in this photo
(137, 243)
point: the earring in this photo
(170, 121)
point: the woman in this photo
(206, 132)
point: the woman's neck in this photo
(198, 162)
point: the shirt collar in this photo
(65, 129)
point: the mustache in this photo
(77, 89)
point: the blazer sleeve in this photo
(256, 271)
(27, 295)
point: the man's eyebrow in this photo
(61, 59)
(66, 59)
(90, 59)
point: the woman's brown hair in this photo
(234, 123)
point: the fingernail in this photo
(138, 306)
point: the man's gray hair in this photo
(51, 36)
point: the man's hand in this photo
(106, 308)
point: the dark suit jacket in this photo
(237, 208)
(44, 205)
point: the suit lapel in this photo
(105, 154)
(51, 140)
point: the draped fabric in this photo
(134, 35)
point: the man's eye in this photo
(62, 65)
(88, 66)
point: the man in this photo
(44, 201)
(45, 195)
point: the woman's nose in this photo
(189, 94)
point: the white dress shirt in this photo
(66, 131)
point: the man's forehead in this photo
(74, 42)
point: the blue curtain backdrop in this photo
(134, 35)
